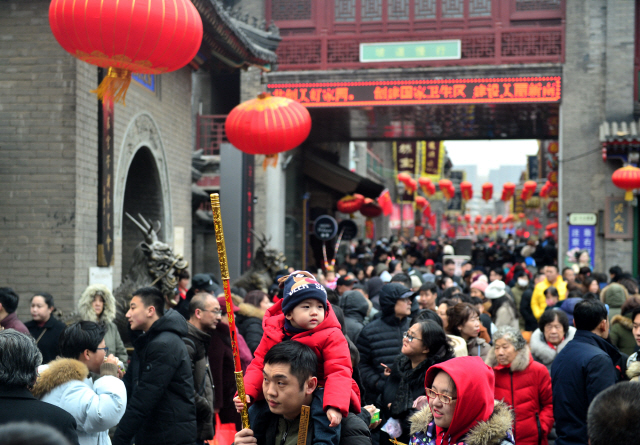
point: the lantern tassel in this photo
(628, 195)
(114, 85)
(270, 160)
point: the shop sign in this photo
(325, 227)
(410, 51)
(405, 155)
(583, 219)
(583, 238)
(618, 219)
(349, 229)
(420, 92)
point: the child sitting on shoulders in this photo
(304, 315)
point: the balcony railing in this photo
(210, 133)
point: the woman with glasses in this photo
(523, 384)
(551, 337)
(424, 345)
(97, 304)
(461, 408)
(464, 321)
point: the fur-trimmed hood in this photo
(249, 310)
(491, 432)
(85, 310)
(625, 322)
(520, 363)
(58, 372)
(542, 351)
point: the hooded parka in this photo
(355, 308)
(96, 406)
(112, 338)
(621, 334)
(477, 418)
(161, 409)
(331, 348)
(525, 386)
(381, 341)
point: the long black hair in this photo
(498, 302)
(435, 339)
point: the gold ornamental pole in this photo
(224, 271)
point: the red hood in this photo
(274, 318)
(474, 382)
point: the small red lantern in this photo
(467, 217)
(422, 203)
(268, 125)
(508, 190)
(446, 187)
(498, 219)
(488, 219)
(350, 203)
(466, 190)
(149, 37)
(370, 208)
(487, 191)
(428, 188)
(478, 219)
(627, 178)
(412, 186)
(521, 215)
(528, 190)
(404, 178)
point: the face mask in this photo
(523, 282)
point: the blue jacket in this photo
(581, 370)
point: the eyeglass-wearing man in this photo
(204, 316)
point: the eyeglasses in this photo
(431, 394)
(105, 349)
(216, 312)
(410, 337)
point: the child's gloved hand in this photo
(334, 416)
(239, 404)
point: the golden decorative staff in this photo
(224, 271)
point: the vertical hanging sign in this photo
(405, 155)
(105, 181)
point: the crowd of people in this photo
(402, 342)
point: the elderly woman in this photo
(97, 304)
(551, 337)
(524, 384)
(461, 407)
(463, 320)
(424, 345)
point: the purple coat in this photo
(11, 322)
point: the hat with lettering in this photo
(299, 286)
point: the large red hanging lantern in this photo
(488, 219)
(350, 203)
(267, 125)
(508, 190)
(528, 189)
(466, 190)
(478, 219)
(370, 208)
(487, 191)
(627, 178)
(422, 203)
(428, 188)
(145, 37)
(467, 217)
(446, 187)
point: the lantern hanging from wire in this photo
(421, 203)
(125, 36)
(268, 125)
(508, 190)
(466, 190)
(487, 191)
(350, 203)
(628, 179)
(446, 187)
(528, 189)
(370, 208)
(428, 188)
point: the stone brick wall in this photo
(48, 157)
(38, 159)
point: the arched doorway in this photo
(142, 195)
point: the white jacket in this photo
(96, 406)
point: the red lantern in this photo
(466, 190)
(528, 190)
(370, 208)
(478, 219)
(268, 125)
(521, 215)
(446, 187)
(488, 219)
(487, 191)
(498, 219)
(350, 203)
(148, 37)
(467, 217)
(627, 178)
(459, 218)
(427, 186)
(412, 186)
(404, 178)
(508, 190)
(422, 203)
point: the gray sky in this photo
(490, 154)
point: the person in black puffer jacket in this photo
(249, 317)
(355, 308)
(381, 340)
(162, 407)
(429, 346)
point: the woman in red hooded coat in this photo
(524, 384)
(461, 408)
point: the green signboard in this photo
(410, 51)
